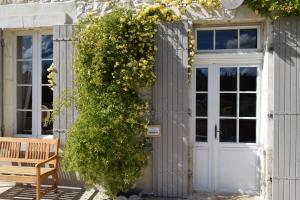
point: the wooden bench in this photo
(27, 160)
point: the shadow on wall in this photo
(28, 192)
(286, 39)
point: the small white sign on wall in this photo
(153, 131)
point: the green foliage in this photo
(275, 8)
(114, 60)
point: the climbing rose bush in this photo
(114, 60)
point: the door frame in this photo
(210, 60)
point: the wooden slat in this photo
(298, 111)
(16, 170)
(1, 81)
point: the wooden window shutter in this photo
(63, 62)
(286, 115)
(171, 111)
(1, 82)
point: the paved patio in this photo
(10, 191)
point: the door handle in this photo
(217, 131)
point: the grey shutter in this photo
(63, 61)
(170, 106)
(1, 82)
(286, 153)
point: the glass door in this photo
(226, 150)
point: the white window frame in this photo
(36, 81)
(238, 28)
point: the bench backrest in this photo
(27, 150)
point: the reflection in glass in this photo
(226, 39)
(228, 105)
(205, 40)
(47, 126)
(24, 97)
(248, 78)
(228, 130)
(45, 65)
(24, 72)
(247, 105)
(201, 130)
(248, 38)
(24, 47)
(47, 98)
(24, 122)
(201, 105)
(201, 79)
(47, 46)
(228, 79)
(247, 131)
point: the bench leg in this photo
(55, 176)
(38, 184)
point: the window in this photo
(34, 97)
(228, 38)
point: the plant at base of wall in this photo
(275, 8)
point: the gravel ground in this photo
(10, 191)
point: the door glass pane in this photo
(47, 46)
(248, 78)
(247, 105)
(228, 79)
(201, 79)
(205, 40)
(24, 122)
(201, 105)
(248, 38)
(47, 125)
(228, 105)
(24, 47)
(247, 131)
(201, 130)
(47, 98)
(228, 130)
(24, 72)
(24, 97)
(226, 39)
(45, 65)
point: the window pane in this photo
(226, 39)
(247, 105)
(45, 65)
(228, 130)
(248, 38)
(228, 79)
(248, 78)
(201, 130)
(24, 122)
(205, 40)
(47, 126)
(247, 131)
(24, 97)
(24, 47)
(201, 105)
(47, 98)
(228, 105)
(24, 72)
(47, 47)
(201, 79)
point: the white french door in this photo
(226, 129)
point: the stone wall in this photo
(83, 6)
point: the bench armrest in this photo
(46, 161)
